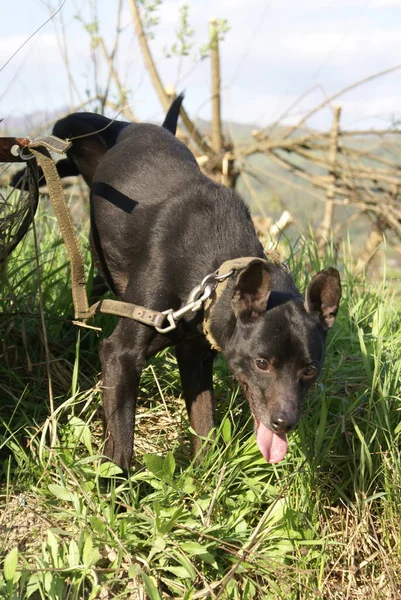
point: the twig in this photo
(164, 98)
(341, 92)
(110, 59)
(76, 108)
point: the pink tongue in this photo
(273, 446)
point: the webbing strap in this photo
(131, 311)
(51, 143)
(40, 148)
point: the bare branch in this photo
(110, 60)
(126, 110)
(164, 98)
(343, 91)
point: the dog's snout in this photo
(282, 423)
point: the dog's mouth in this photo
(273, 446)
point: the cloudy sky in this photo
(279, 59)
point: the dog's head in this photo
(277, 349)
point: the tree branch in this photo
(164, 98)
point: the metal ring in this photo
(225, 276)
(29, 157)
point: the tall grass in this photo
(324, 523)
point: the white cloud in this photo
(272, 54)
(385, 4)
(360, 45)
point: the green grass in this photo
(324, 523)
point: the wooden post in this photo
(327, 221)
(217, 136)
(374, 240)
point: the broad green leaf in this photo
(226, 430)
(52, 544)
(73, 554)
(10, 564)
(277, 512)
(81, 432)
(32, 585)
(159, 543)
(95, 592)
(275, 587)
(97, 525)
(249, 590)
(167, 526)
(61, 492)
(151, 588)
(169, 465)
(232, 589)
(154, 464)
(195, 549)
(48, 578)
(90, 554)
(180, 572)
(134, 570)
(241, 526)
(188, 486)
(109, 469)
(186, 563)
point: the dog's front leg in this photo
(122, 366)
(195, 362)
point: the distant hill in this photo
(273, 188)
(22, 126)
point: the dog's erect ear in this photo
(323, 296)
(251, 290)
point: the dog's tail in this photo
(171, 119)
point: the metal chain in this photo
(195, 300)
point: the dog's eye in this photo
(309, 372)
(262, 364)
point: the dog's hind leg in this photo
(99, 288)
(122, 365)
(65, 168)
(195, 362)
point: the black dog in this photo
(158, 227)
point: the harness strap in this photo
(234, 266)
(131, 311)
(40, 149)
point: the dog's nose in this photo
(283, 423)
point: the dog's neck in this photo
(221, 321)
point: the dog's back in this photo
(159, 211)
